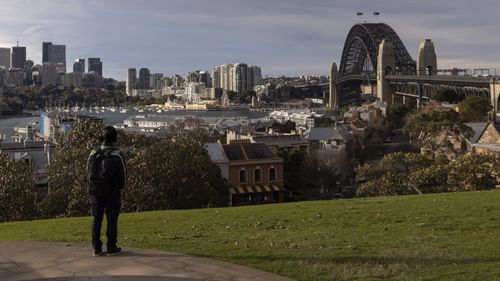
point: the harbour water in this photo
(111, 118)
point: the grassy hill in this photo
(429, 237)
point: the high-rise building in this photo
(239, 77)
(257, 76)
(56, 54)
(130, 84)
(155, 81)
(49, 73)
(46, 51)
(5, 57)
(95, 65)
(216, 77)
(79, 66)
(144, 78)
(18, 57)
(225, 73)
(204, 78)
(177, 81)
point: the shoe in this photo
(98, 253)
(114, 251)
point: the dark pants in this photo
(111, 205)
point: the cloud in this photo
(284, 37)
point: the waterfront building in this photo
(5, 57)
(239, 77)
(95, 65)
(79, 66)
(131, 81)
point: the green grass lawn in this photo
(428, 237)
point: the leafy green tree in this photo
(18, 197)
(174, 173)
(474, 109)
(474, 172)
(425, 124)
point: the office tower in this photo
(5, 57)
(95, 65)
(144, 78)
(177, 81)
(49, 73)
(204, 78)
(257, 76)
(55, 54)
(46, 51)
(155, 80)
(18, 57)
(131, 81)
(79, 66)
(216, 77)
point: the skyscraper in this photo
(18, 57)
(216, 77)
(79, 66)
(144, 78)
(95, 65)
(5, 57)
(46, 51)
(56, 54)
(49, 73)
(131, 81)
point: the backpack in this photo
(100, 178)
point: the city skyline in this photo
(283, 37)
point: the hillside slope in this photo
(429, 237)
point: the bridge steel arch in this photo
(363, 41)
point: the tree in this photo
(397, 113)
(174, 173)
(424, 125)
(391, 176)
(446, 95)
(18, 197)
(474, 109)
(412, 173)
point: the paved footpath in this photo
(74, 262)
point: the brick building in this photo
(253, 171)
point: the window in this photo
(257, 175)
(272, 174)
(243, 176)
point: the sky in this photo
(283, 37)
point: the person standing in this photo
(106, 178)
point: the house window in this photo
(257, 175)
(243, 176)
(272, 174)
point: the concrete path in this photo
(67, 261)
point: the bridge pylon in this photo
(427, 62)
(495, 96)
(386, 65)
(334, 95)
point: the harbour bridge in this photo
(374, 55)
